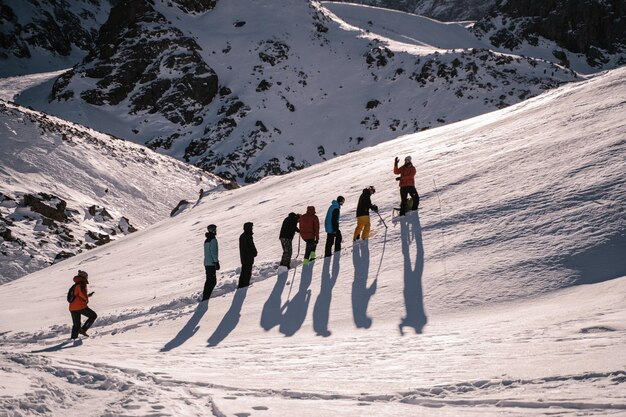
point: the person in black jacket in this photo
(362, 230)
(247, 253)
(287, 232)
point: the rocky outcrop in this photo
(51, 28)
(134, 47)
(595, 28)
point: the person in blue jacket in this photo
(331, 224)
(211, 261)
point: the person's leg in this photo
(209, 283)
(75, 323)
(286, 258)
(91, 317)
(330, 240)
(245, 275)
(366, 228)
(403, 194)
(338, 239)
(415, 196)
(360, 223)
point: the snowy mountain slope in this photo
(442, 10)
(473, 306)
(247, 89)
(66, 188)
(43, 35)
(503, 34)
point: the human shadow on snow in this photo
(361, 294)
(230, 320)
(411, 235)
(297, 307)
(189, 329)
(66, 344)
(321, 309)
(272, 314)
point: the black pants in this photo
(91, 317)
(332, 238)
(310, 248)
(210, 282)
(246, 274)
(287, 251)
(408, 189)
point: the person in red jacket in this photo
(407, 183)
(78, 306)
(310, 233)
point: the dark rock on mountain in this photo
(134, 46)
(594, 28)
(49, 29)
(47, 205)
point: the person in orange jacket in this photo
(310, 233)
(407, 183)
(78, 306)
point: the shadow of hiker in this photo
(66, 344)
(411, 231)
(361, 294)
(297, 307)
(271, 315)
(231, 318)
(321, 309)
(189, 329)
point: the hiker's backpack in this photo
(70, 294)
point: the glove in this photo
(398, 178)
(396, 160)
(375, 208)
(217, 266)
(90, 294)
(316, 242)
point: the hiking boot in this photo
(83, 332)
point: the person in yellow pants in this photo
(362, 230)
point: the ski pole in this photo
(381, 219)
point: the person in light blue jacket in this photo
(331, 224)
(211, 261)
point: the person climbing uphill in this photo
(79, 298)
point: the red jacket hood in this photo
(80, 280)
(310, 210)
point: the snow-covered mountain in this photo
(442, 10)
(65, 189)
(588, 36)
(47, 35)
(504, 295)
(252, 88)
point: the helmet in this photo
(340, 199)
(372, 189)
(407, 159)
(211, 228)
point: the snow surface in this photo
(504, 295)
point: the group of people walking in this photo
(307, 225)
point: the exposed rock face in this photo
(58, 231)
(58, 27)
(443, 10)
(594, 28)
(135, 46)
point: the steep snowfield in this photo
(50, 160)
(472, 307)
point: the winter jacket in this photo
(331, 223)
(310, 225)
(407, 174)
(247, 250)
(365, 204)
(289, 227)
(210, 250)
(81, 297)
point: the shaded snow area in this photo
(65, 189)
(504, 295)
